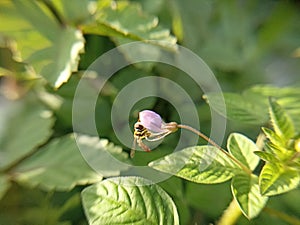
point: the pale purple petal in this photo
(151, 120)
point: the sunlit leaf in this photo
(128, 200)
(276, 179)
(60, 165)
(272, 136)
(242, 148)
(127, 20)
(52, 49)
(266, 156)
(79, 12)
(27, 124)
(9, 62)
(245, 190)
(201, 164)
(282, 123)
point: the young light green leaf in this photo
(26, 125)
(128, 200)
(282, 123)
(281, 152)
(200, 164)
(4, 185)
(266, 156)
(60, 165)
(276, 179)
(273, 137)
(245, 190)
(242, 148)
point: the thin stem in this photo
(230, 215)
(216, 145)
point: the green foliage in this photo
(18, 141)
(58, 165)
(46, 46)
(251, 106)
(201, 164)
(126, 200)
(124, 21)
(208, 165)
(243, 149)
(281, 172)
(246, 191)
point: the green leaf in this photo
(26, 124)
(60, 165)
(200, 164)
(281, 152)
(51, 49)
(251, 105)
(79, 12)
(266, 156)
(62, 57)
(126, 19)
(242, 148)
(238, 107)
(287, 97)
(282, 123)
(276, 179)
(4, 185)
(245, 190)
(273, 137)
(128, 200)
(9, 63)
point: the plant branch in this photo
(200, 134)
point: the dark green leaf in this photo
(27, 124)
(287, 97)
(238, 107)
(128, 200)
(60, 165)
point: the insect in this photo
(141, 132)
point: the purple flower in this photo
(151, 121)
(151, 127)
